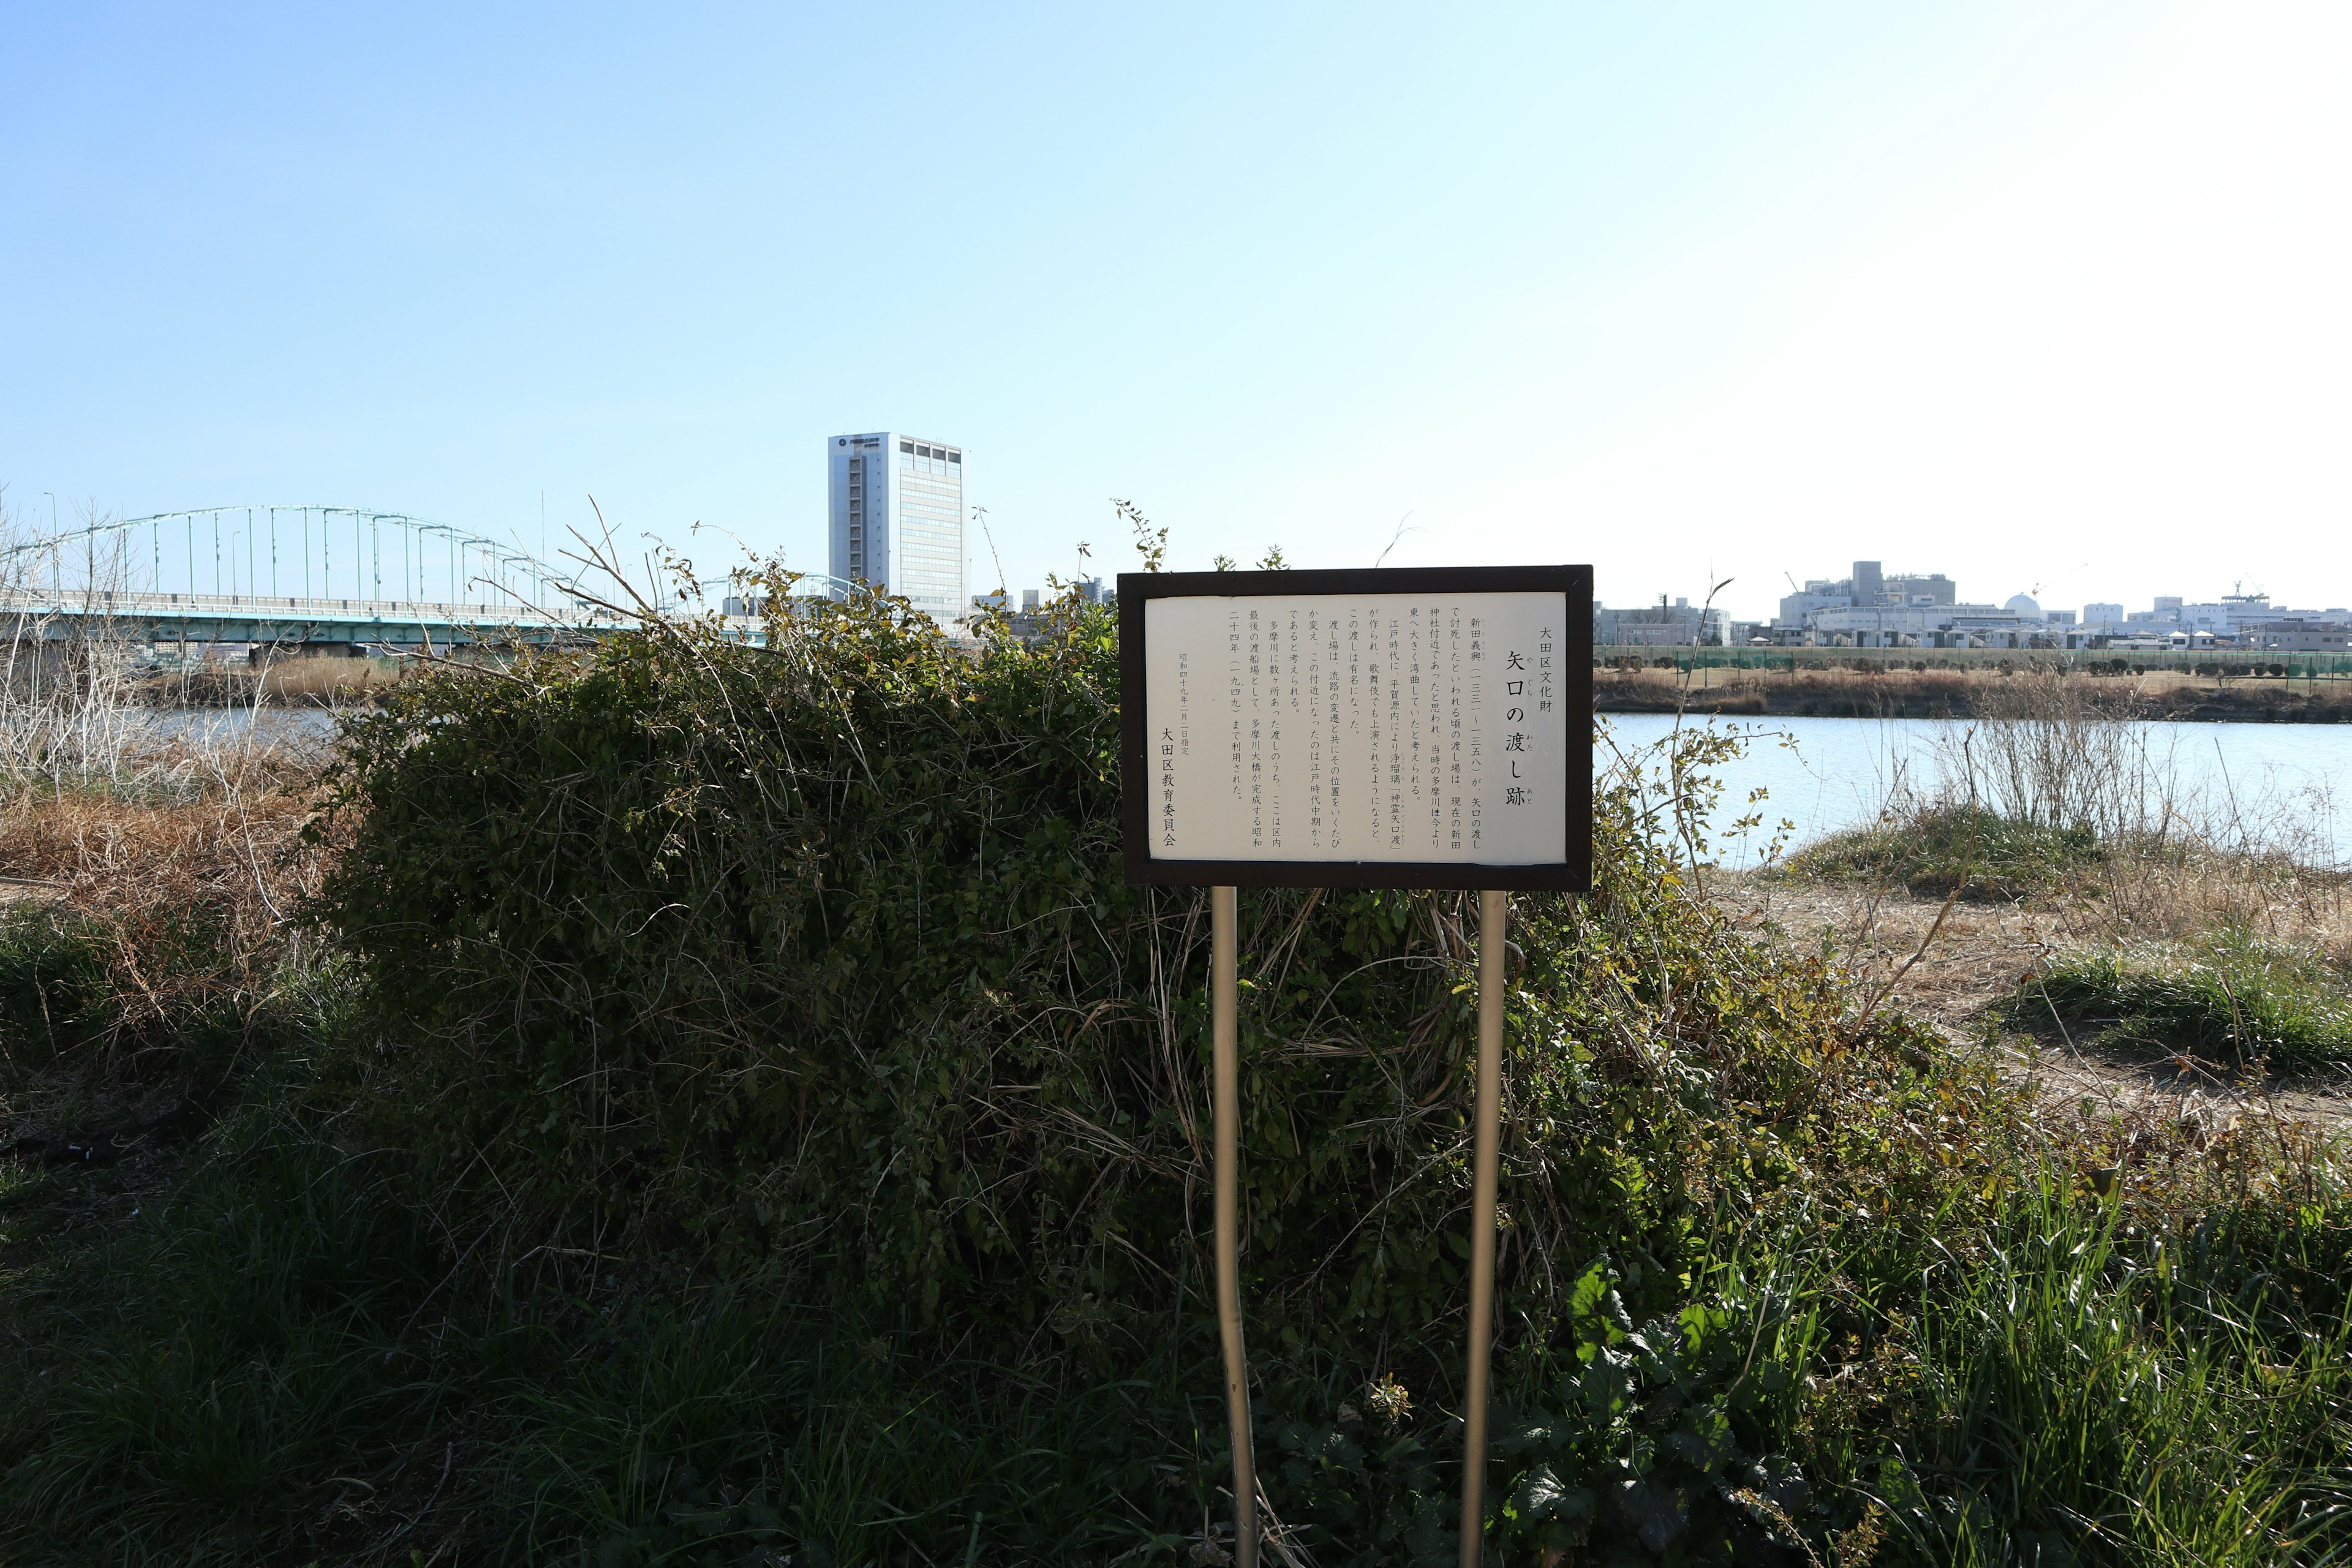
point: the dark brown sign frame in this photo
(1573, 875)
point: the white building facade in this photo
(896, 520)
(1678, 624)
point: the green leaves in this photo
(821, 954)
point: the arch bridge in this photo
(219, 581)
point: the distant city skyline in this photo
(1871, 607)
(2043, 298)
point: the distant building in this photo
(896, 520)
(1090, 591)
(1036, 616)
(1875, 608)
(2230, 619)
(1869, 588)
(2233, 620)
(1678, 624)
(1916, 626)
(2302, 636)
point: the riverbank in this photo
(1874, 689)
(295, 682)
(640, 1161)
(1868, 689)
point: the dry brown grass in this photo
(282, 683)
(1868, 689)
(2183, 897)
(1875, 693)
(191, 883)
(326, 682)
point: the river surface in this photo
(198, 724)
(2288, 781)
(2289, 784)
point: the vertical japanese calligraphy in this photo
(1420, 728)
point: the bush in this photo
(1938, 849)
(825, 950)
(2231, 999)
(821, 954)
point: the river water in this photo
(2291, 784)
(200, 724)
(2292, 781)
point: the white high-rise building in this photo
(896, 520)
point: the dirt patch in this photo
(1976, 960)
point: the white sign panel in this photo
(1436, 727)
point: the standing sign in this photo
(1406, 728)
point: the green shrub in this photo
(821, 954)
(2233, 1000)
(1936, 849)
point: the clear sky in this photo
(2032, 294)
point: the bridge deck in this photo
(277, 618)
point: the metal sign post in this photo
(1406, 728)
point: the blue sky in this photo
(2035, 295)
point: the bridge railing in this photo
(23, 601)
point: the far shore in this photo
(1886, 690)
(1820, 684)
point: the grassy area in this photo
(271, 1361)
(2230, 999)
(1941, 848)
(734, 1113)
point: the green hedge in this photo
(821, 954)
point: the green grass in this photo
(1933, 851)
(2229, 999)
(2085, 1396)
(216, 1358)
(52, 990)
(272, 1357)
(273, 1362)
(737, 1418)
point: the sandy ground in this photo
(1976, 960)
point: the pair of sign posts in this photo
(1384, 729)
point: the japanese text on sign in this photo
(1369, 727)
